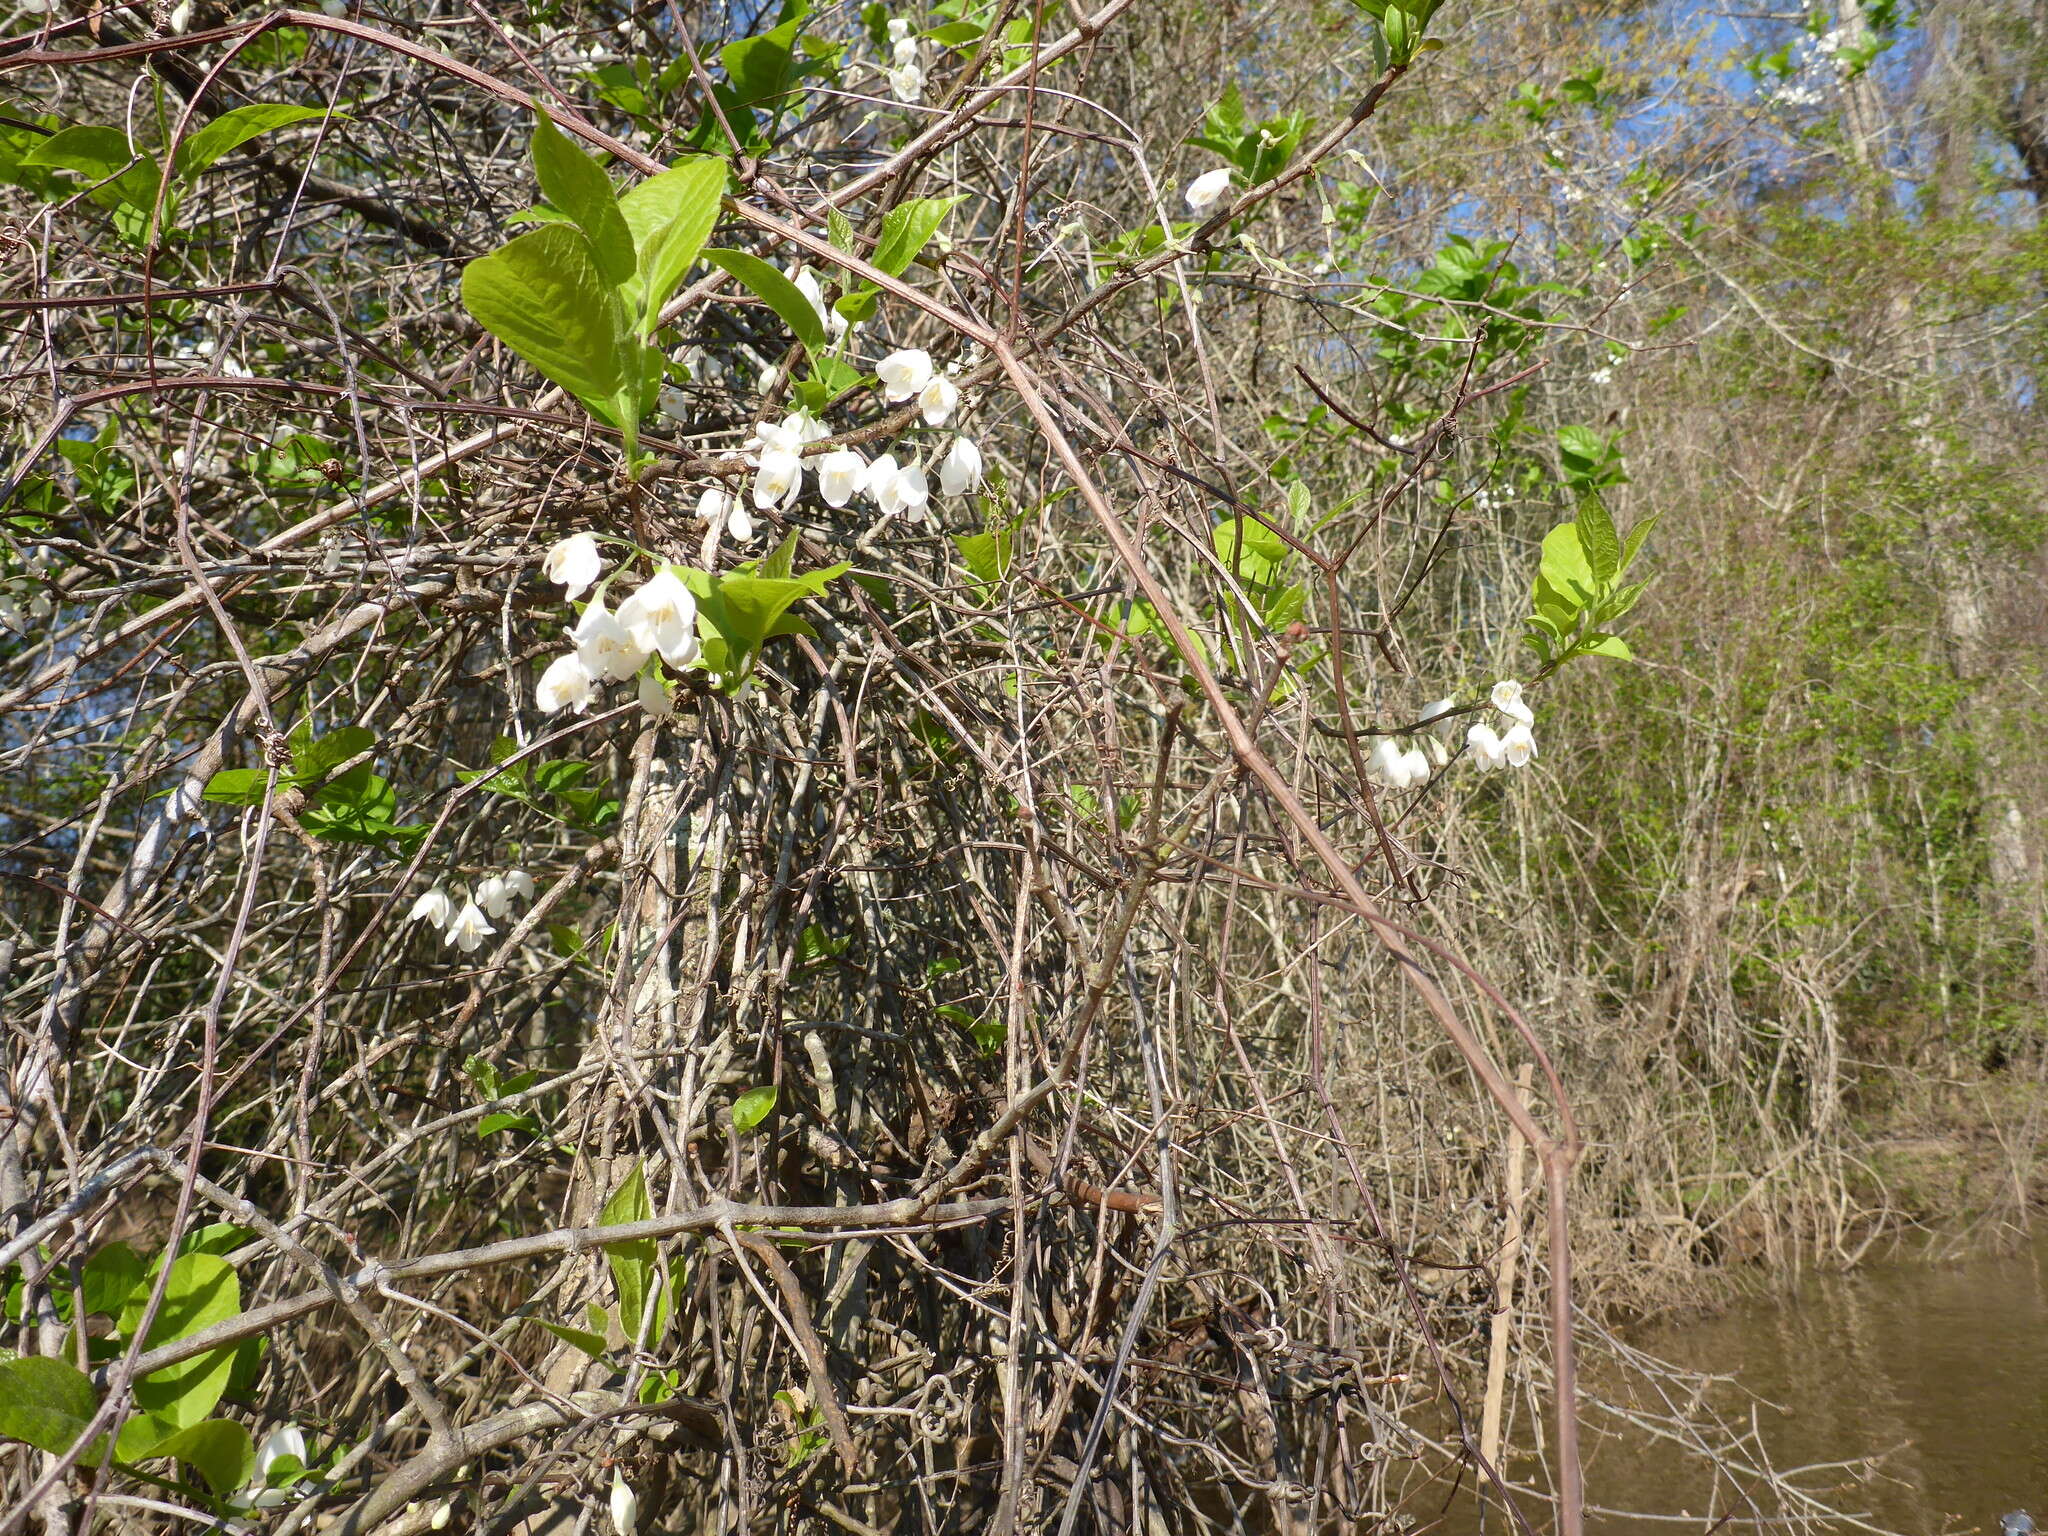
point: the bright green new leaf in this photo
(231, 130)
(219, 1448)
(238, 786)
(101, 155)
(592, 1344)
(765, 66)
(1565, 565)
(752, 1107)
(908, 228)
(633, 1264)
(1597, 539)
(44, 1402)
(545, 297)
(219, 1238)
(778, 292)
(203, 1290)
(110, 1277)
(1636, 536)
(1598, 644)
(671, 215)
(577, 184)
(988, 556)
(317, 759)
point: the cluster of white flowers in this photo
(1393, 765)
(21, 604)
(905, 72)
(898, 488)
(659, 619)
(468, 928)
(1515, 747)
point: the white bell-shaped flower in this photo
(899, 29)
(906, 83)
(904, 374)
(841, 474)
(662, 616)
(779, 479)
(519, 883)
(655, 696)
(1207, 189)
(904, 51)
(937, 400)
(573, 564)
(606, 646)
(1507, 698)
(1415, 767)
(469, 930)
(1487, 750)
(960, 469)
(434, 907)
(567, 684)
(675, 405)
(899, 490)
(285, 1440)
(715, 504)
(625, 1505)
(806, 283)
(495, 897)
(1438, 710)
(1383, 763)
(1519, 745)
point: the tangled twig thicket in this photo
(1001, 1068)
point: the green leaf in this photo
(751, 1108)
(539, 213)
(110, 1276)
(778, 292)
(908, 228)
(319, 758)
(1598, 644)
(576, 184)
(44, 1402)
(1636, 536)
(506, 1122)
(101, 155)
(987, 555)
(781, 562)
(670, 216)
(738, 613)
(633, 1264)
(544, 296)
(1598, 540)
(953, 33)
(592, 1344)
(834, 377)
(564, 940)
(203, 1290)
(814, 945)
(1620, 602)
(219, 1238)
(765, 66)
(237, 786)
(231, 130)
(1565, 566)
(220, 1448)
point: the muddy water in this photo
(1943, 1365)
